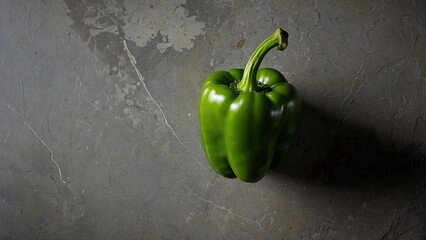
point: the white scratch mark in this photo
(41, 140)
(21, 83)
(353, 100)
(423, 82)
(323, 96)
(226, 209)
(356, 78)
(347, 112)
(5, 139)
(400, 34)
(132, 154)
(390, 96)
(142, 80)
(220, 227)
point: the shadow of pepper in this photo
(333, 152)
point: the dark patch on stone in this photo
(241, 43)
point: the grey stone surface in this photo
(99, 135)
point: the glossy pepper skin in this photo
(249, 117)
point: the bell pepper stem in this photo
(279, 40)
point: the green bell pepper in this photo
(249, 117)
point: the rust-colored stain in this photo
(241, 43)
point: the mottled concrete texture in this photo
(99, 135)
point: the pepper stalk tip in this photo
(278, 40)
(283, 39)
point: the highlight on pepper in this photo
(249, 117)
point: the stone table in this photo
(99, 134)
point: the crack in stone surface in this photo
(142, 80)
(47, 147)
(226, 209)
(41, 140)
